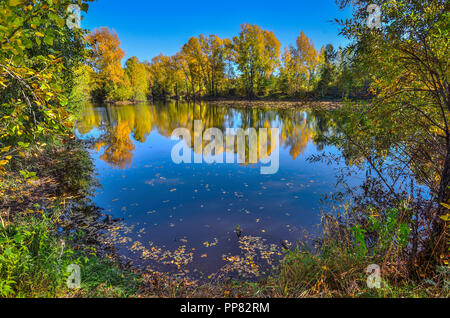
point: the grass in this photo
(34, 261)
(102, 278)
(33, 264)
(47, 186)
(31, 259)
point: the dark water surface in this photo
(184, 217)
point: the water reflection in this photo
(119, 124)
(184, 217)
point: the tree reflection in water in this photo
(118, 124)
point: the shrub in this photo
(32, 259)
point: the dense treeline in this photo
(249, 65)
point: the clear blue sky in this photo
(147, 28)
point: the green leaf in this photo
(18, 238)
(48, 39)
(85, 7)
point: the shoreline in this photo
(323, 105)
(246, 103)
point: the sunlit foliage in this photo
(39, 57)
(256, 53)
(138, 76)
(299, 66)
(405, 127)
(111, 81)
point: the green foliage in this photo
(38, 57)
(32, 259)
(121, 92)
(104, 278)
(256, 53)
(81, 92)
(389, 233)
(33, 263)
(360, 240)
(139, 78)
(336, 267)
(393, 229)
(404, 128)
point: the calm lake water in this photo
(186, 218)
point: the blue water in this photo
(196, 209)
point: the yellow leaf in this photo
(15, 3)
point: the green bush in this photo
(32, 259)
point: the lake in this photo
(199, 219)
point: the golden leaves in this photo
(207, 244)
(107, 54)
(15, 3)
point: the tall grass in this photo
(338, 266)
(32, 259)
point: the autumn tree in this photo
(407, 59)
(213, 51)
(138, 75)
(192, 65)
(229, 74)
(307, 58)
(39, 57)
(111, 80)
(256, 53)
(166, 76)
(327, 68)
(351, 79)
(299, 65)
(289, 80)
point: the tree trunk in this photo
(437, 242)
(444, 191)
